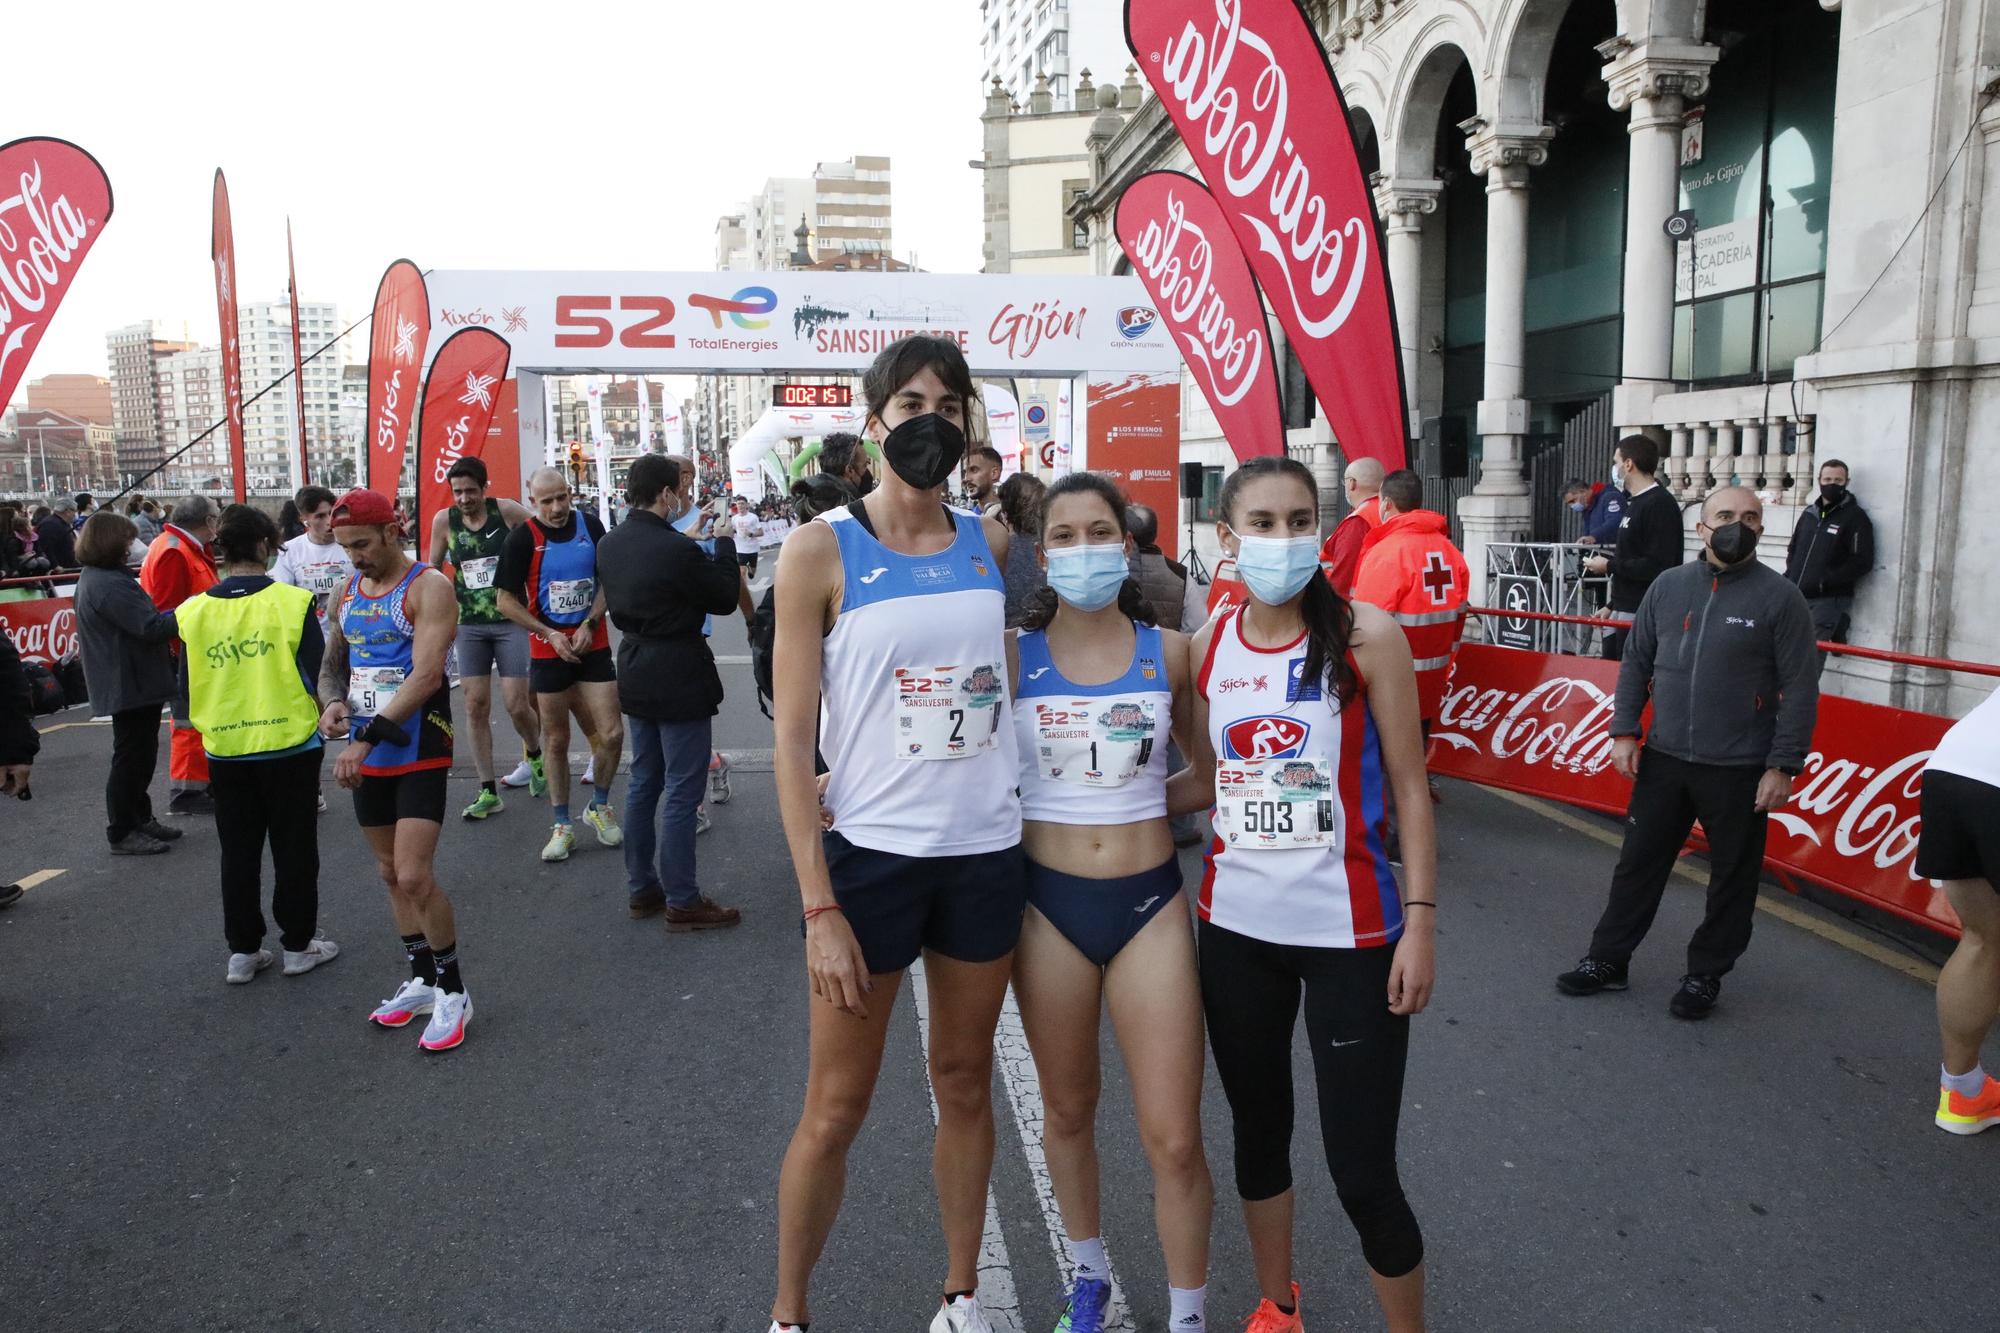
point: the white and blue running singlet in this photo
(913, 688)
(1093, 754)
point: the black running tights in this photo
(1250, 990)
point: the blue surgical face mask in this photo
(1088, 577)
(690, 520)
(1276, 569)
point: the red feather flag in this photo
(396, 343)
(1247, 85)
(54, 202)
(298, 358)
(222, 253)
(1181, 247)
(459, 398)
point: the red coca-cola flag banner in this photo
(396, 343)
(298, 357)
(54, 202)
(43, 629)
(1541, 724)
(1248, 87)
(222, 253)
(459, 398)
(1182, 248)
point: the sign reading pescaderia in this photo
(1007, 323)
(1248, 87)
(459, 398)
(397, 340)
(1541, 723)
(222, 255)
(1183, 250)
(54, 202)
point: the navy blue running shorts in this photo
(1100, 916)
(966, 908)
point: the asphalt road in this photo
(602, 1152)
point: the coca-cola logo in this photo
(54, 199)
(1177, 258)
(42, 635)
(1230, 85)
(1563, 721)
(1878, 808)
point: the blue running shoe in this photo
(1089, 1301)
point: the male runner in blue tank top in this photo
(382, 685)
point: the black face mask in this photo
(924, 450)
(1831, 496)
(1733, 543)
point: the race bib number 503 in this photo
(1274, 804)
(947, 712)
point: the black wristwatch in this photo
(1790, 770)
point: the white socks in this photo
(1188, 1310)
(1969, 1084)
(1088, 1256)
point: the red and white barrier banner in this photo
(459, 401)
(1248, 87)
(222, 254)
(1541, 723)
(54, 202)
(396, 342)
(304, 475)
(43, 628)
(1181, 247)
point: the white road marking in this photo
(1024, 1094)
(39, 877)
(997, 1296)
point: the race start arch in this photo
(1098, 330)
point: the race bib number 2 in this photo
(1093, 742)
(369, 689)
(1275, 804)
(948, 712)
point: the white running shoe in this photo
(718, 778)
(702, 823)
(448, 1020)
(520, 777)
(245, 966)
(322, 802)
(961, 1315)
(589, 778)
(411, 999)
(321, 950)
(562, 841)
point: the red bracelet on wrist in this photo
(812, 912)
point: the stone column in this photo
(1404, 205)
(1656, 81)
(1499, 510)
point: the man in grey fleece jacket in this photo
(1723, 646)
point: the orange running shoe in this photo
(1969, 1115)
(1268, 1318)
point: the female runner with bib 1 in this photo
(1305, 718)
(1097, 685)
(891, 613)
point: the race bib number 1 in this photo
(947, 712)
(1094, 742)
(369, 689)
(571, 597)
(1275, 804)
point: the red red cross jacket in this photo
(1410, 569)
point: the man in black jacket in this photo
(658, 586)
(1651, 540)
(1833, 546)
(55, 536)
(19, 741)
(1723, 648)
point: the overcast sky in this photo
(579, 135)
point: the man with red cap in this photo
(383, 686)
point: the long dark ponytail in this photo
(1328, 617)
(1043, 603)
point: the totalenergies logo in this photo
(742, 308)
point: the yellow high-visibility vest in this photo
(245, 695)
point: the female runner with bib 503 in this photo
(1097, 688)
(891, 612)
(1305, 718)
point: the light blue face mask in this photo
(1276, 569)
(687, 522)
(1088, 577)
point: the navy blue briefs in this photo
(1100, 916)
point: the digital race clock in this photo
(812, 395)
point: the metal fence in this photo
(1582, 451)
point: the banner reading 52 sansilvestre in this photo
(397, 339)
(54, 202)
(1007, 323)
(459, 398)
(1183, 250)
(1248, 87)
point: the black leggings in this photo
(1250, 992)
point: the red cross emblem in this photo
(1437, 578)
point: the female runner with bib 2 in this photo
(1098, 686)
(891, 612)
(1305, 718)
